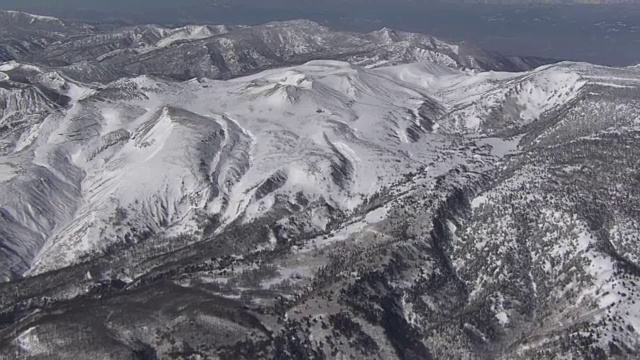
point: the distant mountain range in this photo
(290, 191)
(223, 51)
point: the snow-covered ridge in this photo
(328, 129)
(225, 52)
(191, 32)
(32, 17)
(379, 207)
(167, 153)
(326, 141)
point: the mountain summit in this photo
(290, 191)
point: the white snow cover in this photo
(161, 160)
(8, 66)
(33, 17)
(472, 96)
(190, 32)
(163, 154)
(30, 342)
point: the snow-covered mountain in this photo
(23, 34)
(392, 200)
(224, 51)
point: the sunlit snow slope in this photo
(338, 195)
(144, 156)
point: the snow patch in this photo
(478, 201)
(376, 215)
(8, 66)
(502, 317)
(7, 172)
(29, 342)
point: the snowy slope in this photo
(164, 155)
(404, 203)
(171, 155)
(191, 32)
(492, 101)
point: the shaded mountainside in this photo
(390, 201)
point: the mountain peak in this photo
(387, 35)
(289, 190)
